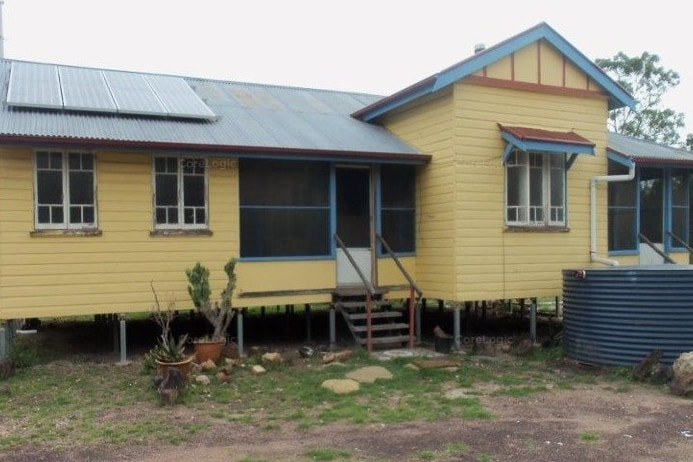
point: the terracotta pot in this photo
(208, 350)
(184, 366)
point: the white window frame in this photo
(65, 172)
(180, 194)
(526, 214)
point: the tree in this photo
(647, 80)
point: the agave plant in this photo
(169, 349)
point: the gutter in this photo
(594, 256)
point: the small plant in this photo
(219, 314)
(168, 348)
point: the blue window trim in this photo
(571, 149)
(636, 231)
(379, 218)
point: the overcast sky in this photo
(370, 46)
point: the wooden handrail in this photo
(680, 241)
(401, 267)
(667, 258)
(370, 293)
(367, 284)
(412, 285)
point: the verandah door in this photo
(354, 223)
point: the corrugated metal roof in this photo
(250, 117)
(536, 134)
(647, 152)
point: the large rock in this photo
(341, 386)
(684, 364)
(369, 374)
(682, 384)
(272, 358)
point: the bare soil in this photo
(600, 421)
(594, 422)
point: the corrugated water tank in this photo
(618, 315)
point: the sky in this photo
(368, 46)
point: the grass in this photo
(60, 398)
(589, 437)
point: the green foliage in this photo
(327, 454)
(198, 287)
(647, 81)
(218, 314)
(169, 349)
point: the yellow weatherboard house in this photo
(481, 182)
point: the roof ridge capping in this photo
(618, 96)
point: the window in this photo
(622, 229)
(535, 189)
(285, 208)
(679, 209)
(65, 190)
(180, 193)
(398, 207)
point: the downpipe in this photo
(594, 256)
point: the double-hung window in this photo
(65, 192)
(535, 189)
(180, 193)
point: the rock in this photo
(257, 369)
(369, 374)
(338, 356)
(202, 379)
(682, 384)
(208, 365)
(272, 358)
(341, 386)
(222, 376)
(644, 369)
(683, 364)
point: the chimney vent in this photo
(479, 47)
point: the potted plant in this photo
(169, 351)
(219, 314)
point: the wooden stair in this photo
(388, 327)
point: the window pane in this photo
(75, 215)
(42, 160)
(397, 186)
(49, 187)
(679, 188)
(622, 194)
(56, 160)
(679, 219)
(621, 229)
(536, 187)
(81, 188)
(398, 230)
(652, 204)
(88, 215)
(166, 189)
(284, 183)
(194, 191)
(44, 214)
(284, 233)
(57, 214)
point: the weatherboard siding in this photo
(491, 261)
(56, 275)
(428, 127)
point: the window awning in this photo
(538, 140)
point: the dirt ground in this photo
(596, 421)
(641, 424)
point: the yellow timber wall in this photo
(53, 274)
(464, 250)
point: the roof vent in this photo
(479, 47)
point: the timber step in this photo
(388, 327)
(393, 339)
(374, 315)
